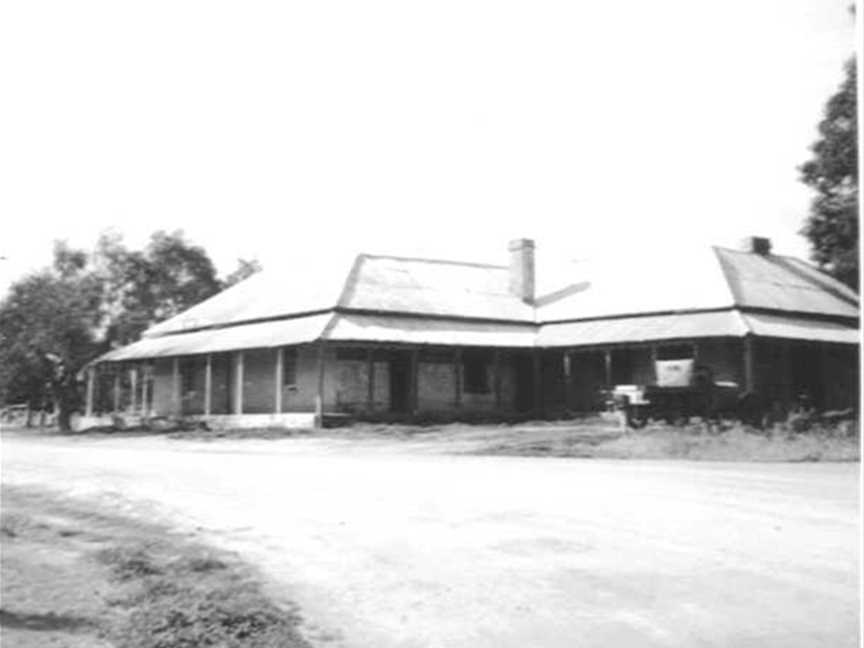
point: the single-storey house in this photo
(396, 338)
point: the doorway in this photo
(399, 363)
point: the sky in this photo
(289, 131)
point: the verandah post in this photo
(749, 369)
(238, 382)
(117, 371)
(537, 377)
(208, 385)
(496, 378)
(319, 395)
(91, 377)
(370, 380)
(133, 390)
(175, 385)
(457, 378)
(278, 379)
(568, 379)
(414, 400)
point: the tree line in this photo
(55, 320)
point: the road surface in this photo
(386, 546)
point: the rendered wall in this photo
(259, 381)
(222, 389)
(192, 384)
(164, 403)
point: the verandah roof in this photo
(245, 336)
(352, 327)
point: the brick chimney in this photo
(756, 245)
(522, 269)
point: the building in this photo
(397, 338)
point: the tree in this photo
(48, 327)
(832, 225)
(145, 287)
(55, 321)
(245, 269)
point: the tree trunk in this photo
(64, 417)
(66, 402)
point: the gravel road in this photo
(384, 545)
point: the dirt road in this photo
(386, 546)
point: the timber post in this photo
(749, 365)
(175, 386)
(208, 385)
(91, 378)
(319, 393)
(116, 391)
(568, 379)
(278, 380)
(457, 378)
(413, 390)
(496, 378)
(239, 379)
(607, 367)
(370, 380)
(537, 380)
(133, 389)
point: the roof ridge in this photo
(394, 257)
(729, 280)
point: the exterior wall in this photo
(301, 397)
(781, 370)
(587, 379)
(192, 384)
(725, 358)
(259, 381)
(437, 382)
(164, 403)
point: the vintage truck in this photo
(682, 390)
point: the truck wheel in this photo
(636, 419)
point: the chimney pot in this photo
(756, 245)
(522, 269)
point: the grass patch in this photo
(697, 442)
(74, 575)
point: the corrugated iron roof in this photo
(442, 288)
(611, 300)
(244, 336)
(642, 329)
(781, 326)
(784, 283)
(415, 330)
(652, 281)
(379, 283)
(268, 294)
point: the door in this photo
(400, 381)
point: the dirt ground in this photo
(383, 543)
(77, 576)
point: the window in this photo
(289, 367)
(475, 374)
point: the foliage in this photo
(47, 333)
(144, 287)
(245, 269)
(832, 226)
(56, 320)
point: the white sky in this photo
(286, 129)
